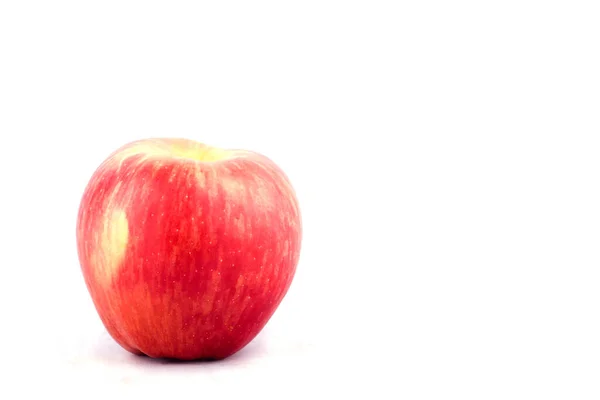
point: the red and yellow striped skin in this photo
(187, 250)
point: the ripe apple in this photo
(187, 250)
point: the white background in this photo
(446, 158)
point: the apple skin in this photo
(187, 250)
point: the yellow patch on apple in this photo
(113, 245)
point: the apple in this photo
(187, 250)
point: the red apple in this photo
(187, 250)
